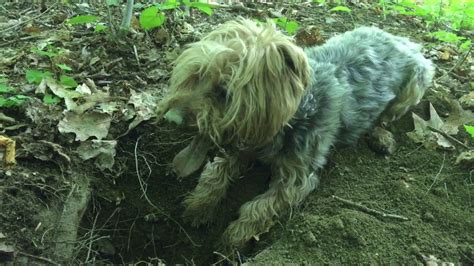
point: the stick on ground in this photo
(369, 210)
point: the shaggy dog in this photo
(257, 96)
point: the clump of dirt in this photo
(134, 209)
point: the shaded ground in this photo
(124, 224)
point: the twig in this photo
(151, 203)
(26, 38)
(111, 21)
(456, 65)
(446, 135)
(89, 248)
(223, 258)
(437, 174)
(135, 52)
(28, 20)
(37, 257)
(369, 210)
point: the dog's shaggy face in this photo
(241, 83)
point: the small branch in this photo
(37, 257)
(446, 135)
(135, 52)
(437, 174)
(369, 210)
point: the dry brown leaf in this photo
(429, 139)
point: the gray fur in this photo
(356, 76)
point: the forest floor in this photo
(93, 181)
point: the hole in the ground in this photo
(125, 226)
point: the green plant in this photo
(154, 16)
(49, 52)
(150, 18)
(51, 99)
(36, 76)
(87, 19)
(289, 26)
(341, 9)
(470, 130)
(445, 36)
(9, 96)
(458, 14)
(449, 37)
(83, 19)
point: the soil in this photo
(57, 208)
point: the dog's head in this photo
(241, 83)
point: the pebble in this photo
(428, 217)
(309, 238)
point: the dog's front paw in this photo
(238, 233)
(198, 211)
(382, 141)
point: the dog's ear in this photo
(296, 63)
(266, 87)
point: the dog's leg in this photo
(291, 182)
(213, 184)
(382, 140)
(421, 78)
(408, 97)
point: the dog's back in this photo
(377, 74)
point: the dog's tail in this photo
(411, 93)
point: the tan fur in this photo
(238, 82)
(408, 97)
(212, 188)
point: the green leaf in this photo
(100, 28)
(51, 99)
(341, 8)
(48, 53)
(15, 100)
(150, 19)
(82, 19)
(281, 22)
(448, 37)
(64, 67)
(401, 10)
(465, 46)
(36, 76)
(4, 88)
(291, 27)
(203, 7)
(68, 81)
(470, 130)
